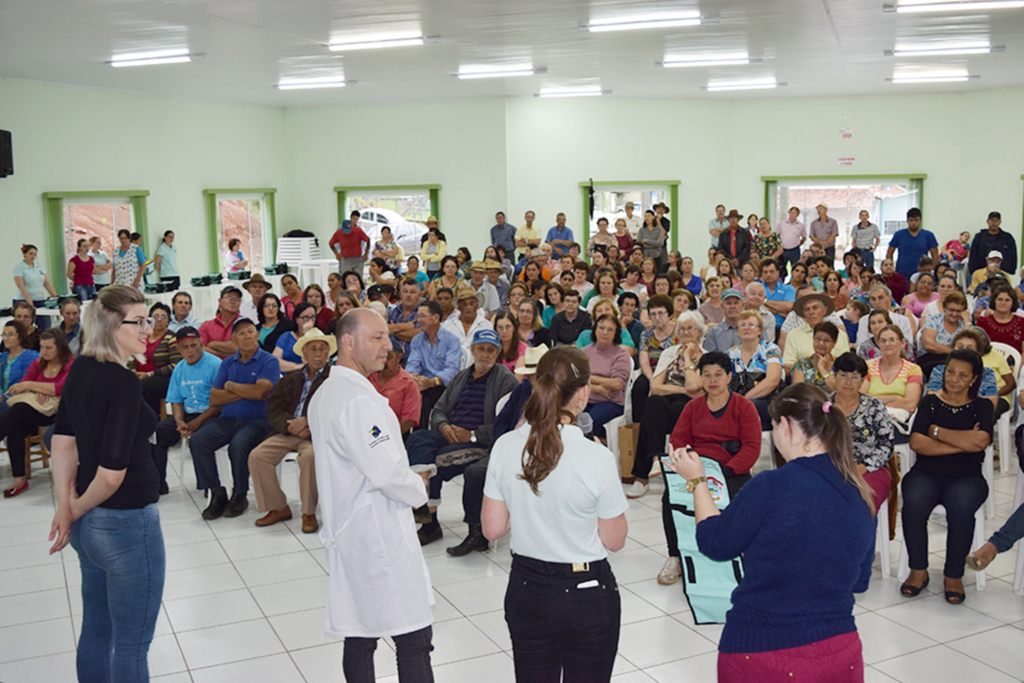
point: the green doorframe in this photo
(434, 192)
(53, 211)
(1020, 249)
(916, 180)
(673, 198)
(210, 203)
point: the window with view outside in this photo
(241, 219)
(83, 221)
(405, 214)
(886, 203)
(611, 204)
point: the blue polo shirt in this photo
(262, 365)
(191, 384)
(783, 292)
(555, 234)
(443, 359)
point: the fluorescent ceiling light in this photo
(671, 62)
(583, 91)
(475, 71)
(375, 44)
(311, 83)
(904, 80)
(753, 85)
(179, 56)
(943, 51)
(932, 7)
(634, 23)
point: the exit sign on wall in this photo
(847, 161)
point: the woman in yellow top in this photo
(893, 379)
(431, 253)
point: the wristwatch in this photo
(935, 432)
(692, 484)
(472, 437)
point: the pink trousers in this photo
(834, 660)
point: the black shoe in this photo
(218, 501)
(163, 488)
(429, 533)
(237, 505)
(474, 541)
(422, 515)
(908, 591)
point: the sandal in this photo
(955, 597)
(908, 591)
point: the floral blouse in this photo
(873, 433)
(765, 245)
(766, 354)
(811, 373)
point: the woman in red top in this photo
(293, 294)
(80, 273)
(623, 239)
(155, 367)
(1000, 320)
(45, 379)
(315, 295)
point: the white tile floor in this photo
(246, 604)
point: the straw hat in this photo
(316, 335)
(532, 357)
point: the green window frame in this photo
(343, 191)
(673, 198)
(771, 182)
(53, 207)
(210, 201)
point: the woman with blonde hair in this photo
(559, 494)
(107, 487)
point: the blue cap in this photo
(487, 337)
(731, 292)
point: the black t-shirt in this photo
(102, 408)
(933, 411)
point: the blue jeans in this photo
(122, 557)
(240, 435)
(789, 256)
(867, 258)
(84, 292)
(412, 650)
(603, 412)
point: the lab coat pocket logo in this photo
(375, 431)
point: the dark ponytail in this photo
(561, 373)
(807, 406)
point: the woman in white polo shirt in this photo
(560, 494)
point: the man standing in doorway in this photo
(994, 238)
(378, 584)
(633, 221)
(824, 231)
(348, 242)
(912, 243)
(793, 233)
(865, 236)
(717, 225)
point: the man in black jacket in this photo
(994, 238)
(735, 241)
(286, 410)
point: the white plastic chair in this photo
(882, 536)
(1003, 434)
(627, 413)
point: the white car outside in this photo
(406, 233)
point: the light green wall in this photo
(513, 155)
(70, 138)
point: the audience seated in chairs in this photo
(816, 369)
(952, 430)
(14, 360)
(435, 357)
(753, 300)
(675, 382)
(284, 349)
(400, 389)
(938, 331)
(461, 423)
(257, 287)
(471, 319)
(286, 411)
(894, 380)
(607, 307)
(531, 325)
(155, 368)
(402, 316)
(512, 347)
(33, 402)
(720, 425)
(271, 321)
(567, 326)
(240, 389)
(872, 429)
(25, 314)
(610, 367)
(756, 366)
(216, 333)
(314, 294)
(343, 303)
(880, 298)
(871, 347)
(996, 377)
(1000, 320)
(653, 341)
(799, 343)
(188, 397)
(181, 313)
(725, 335)
(70, 325)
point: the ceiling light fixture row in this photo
(349, 46)
(673, 62)
(153, 58)
(908, 80)
(945, 51)
(956, 6)
(653, 21)
(313, 83)
(741, 85)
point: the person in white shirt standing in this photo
(378, 585)
(559, 494)
(793, 233)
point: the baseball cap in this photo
(187, 333)
(242, 320)
(995, 254)
(731, 292)
(230, 289)
(486, 337)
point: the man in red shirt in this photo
(348, 242)
(400, 389)
(216, 333)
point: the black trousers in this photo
(166, 436)
(660, 417)
(639, 395)
(961, 496)
(154, 389)
(564, 624)
(430, 397)
(473, 491)
(411, 649)
(733, 482)
(18, 423)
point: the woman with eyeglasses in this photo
(272, 324)
(14, 359)
(305, 320)
(314, 294)
(293, 293)
(107, 487)
(155, 365)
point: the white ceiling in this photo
(816, 47)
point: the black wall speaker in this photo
(6, 155)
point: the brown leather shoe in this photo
(275, 516)
(309, 524)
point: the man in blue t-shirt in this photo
(912, 243)
(240, 390)
(559, 237)
(188, 397)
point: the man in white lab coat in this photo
(379, 585)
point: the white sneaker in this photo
(637, 490)
(671, 572)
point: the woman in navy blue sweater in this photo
(806, 533)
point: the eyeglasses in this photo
(160, 316)
(233, 299)
(749, 326)
(306, 317)
(144, 325)
(849, 377)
